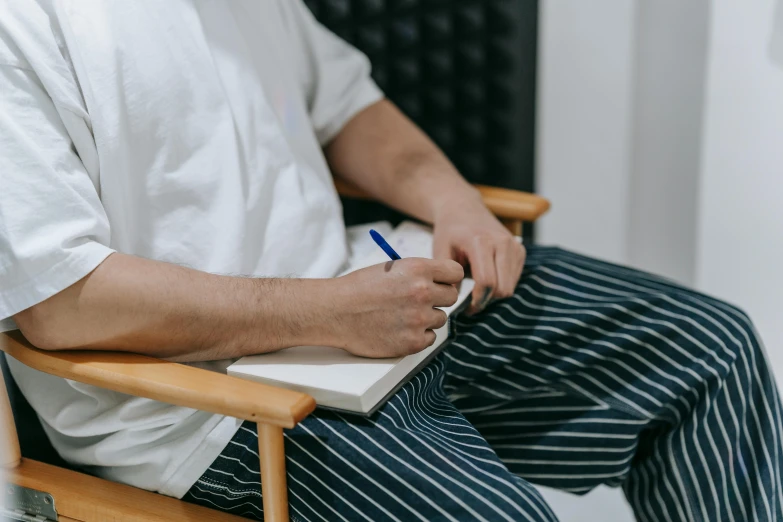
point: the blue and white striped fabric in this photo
(591, 374)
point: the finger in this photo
(481, 256)
(441, 249)
(522, 260)
(478, 304)
(437, 319)
(444, 295)
(447, 271)
(509, 259)
(429, 338)
(419, 342)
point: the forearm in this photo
(387, 156)
(154, 308)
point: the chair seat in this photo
(84, 498)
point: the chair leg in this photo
(273, 478)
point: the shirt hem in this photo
(198, 461)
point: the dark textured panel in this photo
(464, 70)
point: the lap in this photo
(595, 373)
(608, 334)
(569, 383)
(418, 458)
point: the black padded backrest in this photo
(464, 70)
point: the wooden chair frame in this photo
(86, 498)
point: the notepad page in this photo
(361, 244)
(409, 239)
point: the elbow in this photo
(41, 324)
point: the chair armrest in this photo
(513, 204)
(168, 382)
(504, 203)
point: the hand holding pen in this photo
(391, 309)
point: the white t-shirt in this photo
(187, 131)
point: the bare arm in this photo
(382, 152)
(385, 154)
(134, 304)
(154, 308)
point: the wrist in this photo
(294, 312)
(466, 199)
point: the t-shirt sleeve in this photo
(53, 228)
(335, 75)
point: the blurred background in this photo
(654, 126)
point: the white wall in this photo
(740, 245)
(776, 41)
(621, 88)
(629, 144)
(584, 117)
(669, 74)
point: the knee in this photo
(731, 333)
(715, 351)
(711, 336)
(734, 330)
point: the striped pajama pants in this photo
(591, 374)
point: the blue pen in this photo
(384, 245)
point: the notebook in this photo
(337, 379)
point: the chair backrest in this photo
(464, 70)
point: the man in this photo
(155, 154)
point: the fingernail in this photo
(485, 299)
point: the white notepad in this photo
(337, 379)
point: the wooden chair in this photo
(80, 497)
